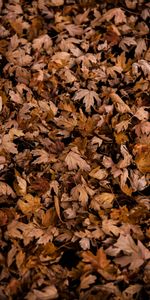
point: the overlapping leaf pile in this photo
(74, 149)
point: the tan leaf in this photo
(81, 18)
(104, 200)
(103, 262)
(110, 227)
(11, 255)
(142, 114)
(43, 156)
(74, 29)
(122, 126)
(140, 48)
(42, 42)
(57, 207)
(130, 292)
(127, 158)
(116, 13)
(87, 280)
(20, 257)
(56, 2)
(22, 184)
(6, 190)
(80, 193)
(131, 4)
(98, 173)
(127, 41)
(73, 161)
(15, 97)
(88, 98)
(61, 57)
(85, 243)
(135, 254)
(48, 293)
(121, 107)
(8, 145)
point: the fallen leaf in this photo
(5, 189)
(29, 204)
(103, 200)
(120, 105)
(88, 98)
(74, 160)
(48, 293)
(98, 173)
(110, 227)
(87, 280)
(142, 158)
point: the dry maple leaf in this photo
(79, 193)
(15, 97)
(131, 292)
(61, 58)
(116, 13)
(74, 160)
(140, 48)
(88, 98)
(137, 181)
(86, 280)
(8, 145)
(48, 293)
(74, 29)
(121, 107)
(129, 41)
(98, 173)
(104, 200)
(123, 125)
(43, 156)
(145, 66)
(20, 257)
(20, 185)
(127, 158)
(85, 243)
(25, 232)
(5, 189)
(110, 227)
(82, 18)
(43, 42)
(100, 263)
(29, 204)
(56, 2)
(135, 254)
(142, 114)
(142, 158)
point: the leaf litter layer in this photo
(74, 150)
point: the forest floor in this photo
(74, 150)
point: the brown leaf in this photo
(3, 218)
(57, 207)
(35, 28)
(5, 189)
(74, 160)
(88, 98)
(48, 293)
(142, 158)
(29, 204)
(121, 106)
